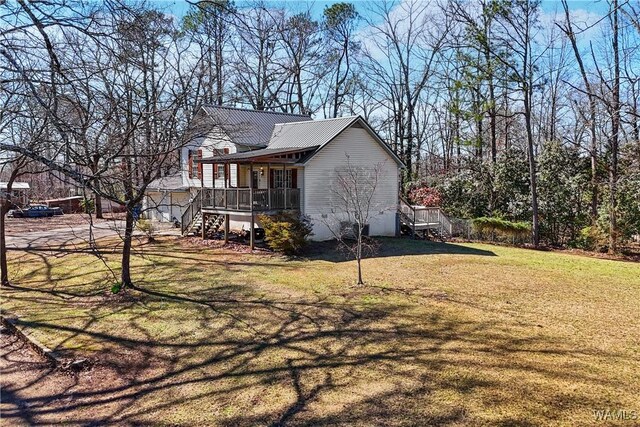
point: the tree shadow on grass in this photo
(305, 362)
(393, 247)
(223, 355)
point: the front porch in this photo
(247, 200)
(255, 182)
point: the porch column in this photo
(251, 242)
(224, 174)
(269, 184)
(284, 183)
(213, 180)
(204, 234)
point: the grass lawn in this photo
(446, 334)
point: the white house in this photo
(269, 162)
(217, 130)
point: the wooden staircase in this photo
(192, 219)
(423, 221)
(212, 225)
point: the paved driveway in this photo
(63, 236)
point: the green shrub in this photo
(499, 227)
(147, 227)
(286, 232)
(88, 205)
(592, 238)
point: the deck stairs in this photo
(424, 222)
(212, 224)
(192, 219)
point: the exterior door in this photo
(255, 179)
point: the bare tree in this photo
(339, 24)
(400, 59)
(139, 79)
(353, 205)
(569, 31)
(20, 128)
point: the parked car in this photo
(35, 211)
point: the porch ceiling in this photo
(265, 155)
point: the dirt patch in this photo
(234, 245)
(18, 226)
(52, 389)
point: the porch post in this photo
(224, 174)
(284, 183)
(269, 184)
(204, 234)
(213, 189)
(251, 232)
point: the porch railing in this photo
(424, 216)
(191, 212)
(244, 199)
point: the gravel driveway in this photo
(58, 237)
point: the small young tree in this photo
(353, 205)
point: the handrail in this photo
(425, 214)
(191, 212)
(247, 199)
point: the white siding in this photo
(319, 173)
(216, 140)
(164, 206)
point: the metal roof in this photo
(255, 154)
(171, 182)
(15, 186)
(308, 134)
(319, 133)
(250, 128)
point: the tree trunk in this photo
(98, 206)
(3, 245)
(615, 127)
(126, 249)
(528, 94)
(4, 208)
(359, 257)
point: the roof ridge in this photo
(250, 110)
(317, 121)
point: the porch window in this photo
(282, 179)
(220, 171)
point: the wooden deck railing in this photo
(247, 199)
(190, 212)
(425, 217)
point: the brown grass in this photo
(447, 334)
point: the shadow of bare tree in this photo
(176, 352)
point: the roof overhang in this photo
(15, 186)
(263, 155)
(374, 135)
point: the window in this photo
(282, 179)
(195, 168)
(220, 170)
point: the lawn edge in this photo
(10, 322)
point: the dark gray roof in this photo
(308, 134)
(252, 154)
(250, 128)
(305, 135)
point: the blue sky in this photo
(179, 7)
